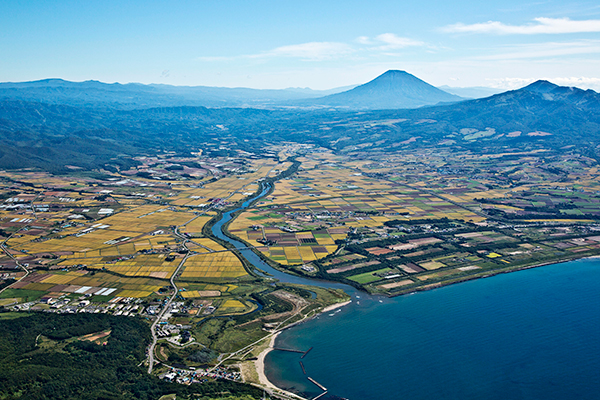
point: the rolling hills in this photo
(50, 135)
(94, 94)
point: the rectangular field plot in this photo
(150, 265)
(134, 293)
(200, 293)
(431, 265)
(213, 265)
(82, 282)
(196, 225)
(393, 285)
(153, 272)
(62, 278)
(368, 277)
(437, 275)
(233, 303)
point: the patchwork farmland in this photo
(387, 223)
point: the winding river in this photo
(531, 334)
(255, 260)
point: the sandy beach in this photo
(335, 306)
(260, 369)
(260, 362)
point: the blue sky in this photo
(317, 44)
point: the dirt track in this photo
(297, 302)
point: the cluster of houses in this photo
(125, 306)
(192, 375)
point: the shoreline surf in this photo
(362, 311)
(260, 361)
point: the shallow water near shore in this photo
(531, 334)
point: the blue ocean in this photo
(531, 334)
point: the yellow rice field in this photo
(213, 265)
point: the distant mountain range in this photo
(540, 106)
(53, 123)
(135, 95)
(391, 90)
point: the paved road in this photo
(162, 312)
(5, 249)
(27, 272)
(172, 280)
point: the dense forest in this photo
(42, 358)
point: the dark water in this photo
(532, 334)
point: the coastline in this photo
(262, 377)
(260, 361)
(488, 274)
(551, 279)
(335, 306)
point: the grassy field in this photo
(22, 294)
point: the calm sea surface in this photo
(532, 334)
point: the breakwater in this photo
(530, 334)
(526, 335)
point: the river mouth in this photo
(531, 334)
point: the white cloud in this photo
(364, 40)
(509, 83)
(580, 82)
(316, 51)
(313, 51)
(387, 41)
(391, 41)
(541, 26)
(320, 51)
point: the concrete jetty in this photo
(290, 350)
(318, 384)
(321, 395)
(306, 352)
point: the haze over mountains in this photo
(391, 90)
(53, 123)
(475, 92)
(134, 95)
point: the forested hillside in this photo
(43, 356)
